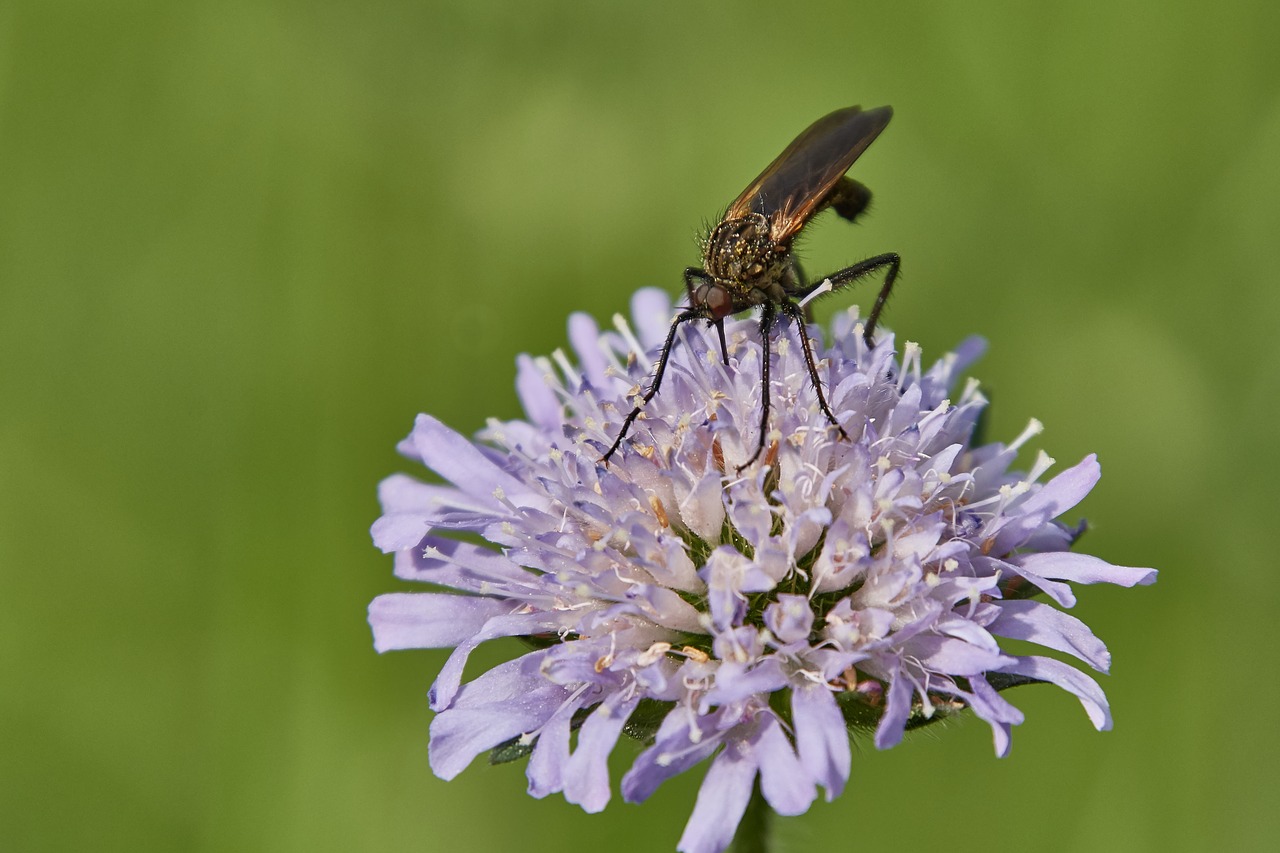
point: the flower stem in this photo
(753, 832)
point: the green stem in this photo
(753, 832)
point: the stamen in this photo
(659, 511)
(694, 654)
(1033, 428)
(624, 329)
(825, 287)
(910, 364)
(566, 367)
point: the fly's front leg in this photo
(683, 317)
(692, 274)
(766, 321)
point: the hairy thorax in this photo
(741, 256)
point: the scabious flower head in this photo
(750, 619)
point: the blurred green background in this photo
(242, 244)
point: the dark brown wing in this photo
(796, 184)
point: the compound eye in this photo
(718, 302)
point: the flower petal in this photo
(587, 773)
(1061, 593)
(505, 702)
(1065, 490)
(402, 493)
(785, 783)
(445, 688)
(1083, 568)
(672, 753)
(461, 565)
(702, 509)
(954, 657)
(990, 706)
(551, 753)
(458, 461)
(1070, 679)
(651, 311)
(539, 401)
(735, 682)
(722, 800)
(1050, 501)
(397, 531)
(821, 738)
(429, 620)
(897, 707)
(1051, 628)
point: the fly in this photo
(747, 259)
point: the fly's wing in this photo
(796, 184)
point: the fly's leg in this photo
(683, 317)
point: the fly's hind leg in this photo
(889, 261)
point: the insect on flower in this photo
(747, 259)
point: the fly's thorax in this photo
(742, 256)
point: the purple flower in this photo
(747, 620)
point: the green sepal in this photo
(512, 750)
